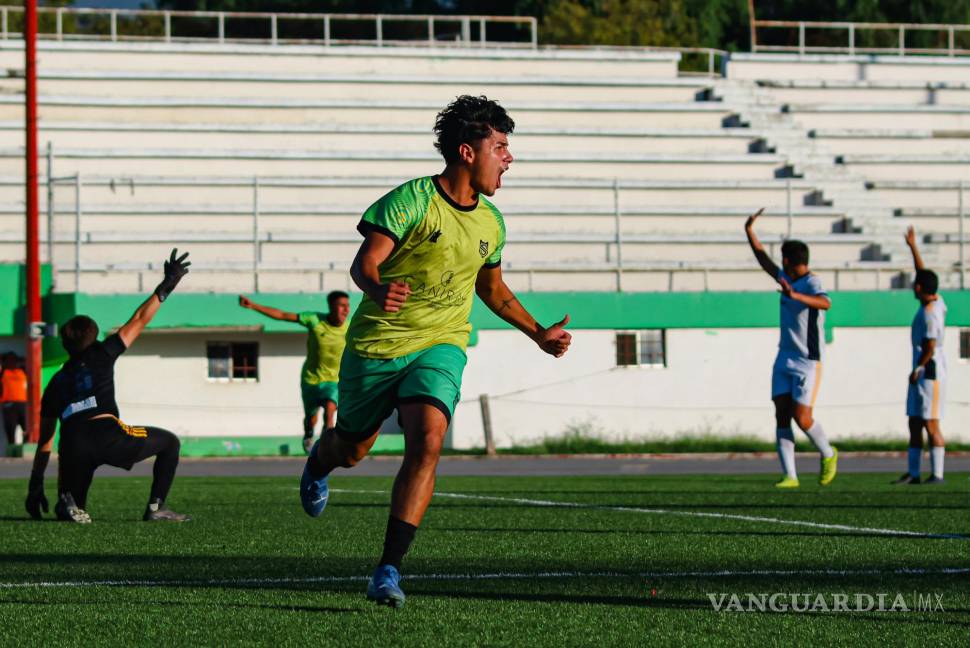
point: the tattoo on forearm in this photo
(507, 303)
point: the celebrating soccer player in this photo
(924, 401)
(82, 396)
(429, 245)
(797, 372)
(326, 338)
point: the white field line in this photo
(906, 571)
(655, 511)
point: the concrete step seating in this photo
(908, 194)
(360, 61)
(290, 247)
(167, 138)
(326, 275)
(912, 92)
(439, 88)
(270, 137)
(843, 141)
(335, 218)
(383, 112)
(906, 166)
(518, 191)
(90, 160)
(862, 116)
(848, 68)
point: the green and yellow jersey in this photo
(324, 347)
(439, 248)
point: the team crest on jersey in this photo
(483, 248)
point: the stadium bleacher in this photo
(264, 156)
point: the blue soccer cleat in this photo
(313, 492)
(383, 587)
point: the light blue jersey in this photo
(802, 327)
(929, 324)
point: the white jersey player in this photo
(927, 380)
(797, 372)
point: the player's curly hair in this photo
(468, 119)
(78, 333)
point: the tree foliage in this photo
(707, 23)
(618, 22)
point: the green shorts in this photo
(316, 396)
(370, 389)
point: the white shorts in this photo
(925, 399)
(796, 376)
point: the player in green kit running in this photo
(326, 333)
(429, 246)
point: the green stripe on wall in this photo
(588, 310)
(13, 295)
(269, 446)
(255, 446)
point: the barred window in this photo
(233, 361)
(641, 348)
(626, 350)
(653, 347)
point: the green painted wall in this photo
(588, 310)
(13, 295)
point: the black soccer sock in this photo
(397, 541)
(315, 466)
(165, 446)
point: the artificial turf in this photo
(251, 568)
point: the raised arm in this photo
(911, 242)
(492, 290)
(175, 269)
(759, 251)
(36, 500)
(268, 311)
(365, 271)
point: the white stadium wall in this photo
(717, 382)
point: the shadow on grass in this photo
(189, 604)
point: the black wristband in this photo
(165, 288)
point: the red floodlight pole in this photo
(32, 341)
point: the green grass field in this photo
(618, 561)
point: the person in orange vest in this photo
(13, 395)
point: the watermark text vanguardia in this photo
(830, 602)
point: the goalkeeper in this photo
(82, 396)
